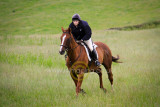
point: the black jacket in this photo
(82, 31)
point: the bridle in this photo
(68, 48)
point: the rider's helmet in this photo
(76, 17)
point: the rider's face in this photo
(76, 22)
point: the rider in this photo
(82, 31)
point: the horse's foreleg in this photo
(79, 83)
(74, 77)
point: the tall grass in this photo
(28, 58)
(33, 75)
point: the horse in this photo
(76, 53)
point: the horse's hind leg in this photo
(99, 72)
(110, 75)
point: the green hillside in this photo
(25, 17)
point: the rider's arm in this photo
(88, 32)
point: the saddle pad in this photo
(94, 46)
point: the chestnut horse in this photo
(76, 53)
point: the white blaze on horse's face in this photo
(62, 42)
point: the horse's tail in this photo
(114, 59)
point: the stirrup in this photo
(97, 63)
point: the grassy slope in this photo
(27, 82)
(47, 16)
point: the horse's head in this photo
(65, 40)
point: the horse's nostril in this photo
(61, 52)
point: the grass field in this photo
(32, 73)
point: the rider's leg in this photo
(94, 52)
(89, 44)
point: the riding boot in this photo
(94, 53)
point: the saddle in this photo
(88, 51)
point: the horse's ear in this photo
(62, 29)
(69, 30)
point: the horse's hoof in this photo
(82, 91)
(104, 90)
(112, 89)
(76, 96)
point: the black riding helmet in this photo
(76, 17)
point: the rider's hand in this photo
(78, 41)
(81, 40)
